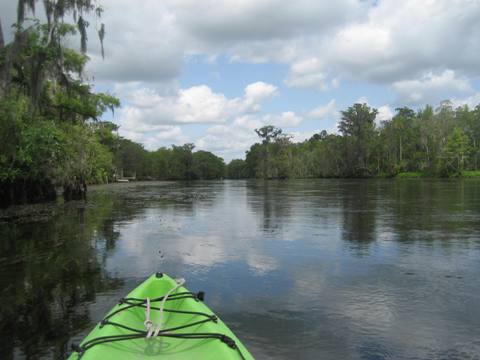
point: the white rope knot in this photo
(152, 329)
(149, 326)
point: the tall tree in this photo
(181, 162)
(268, 134)
(402, 121)
(399, 138)
(457, 149)
(358, 126)
(469, 121)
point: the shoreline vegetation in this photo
(52, 135)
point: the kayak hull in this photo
(190, 330)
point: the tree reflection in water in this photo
(50, 271)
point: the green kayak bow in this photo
(161, 319)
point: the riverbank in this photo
(464, 174)
(43, 211)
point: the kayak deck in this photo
(189, 329)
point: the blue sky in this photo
(211, 72)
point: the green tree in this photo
(399, 140)
(325, 155)
(207, 166)
(236, 169)
(181, 162)
(357, 125)
(267, 133)
(469, 120)
(130, 159)
(456, 151)
(48, 106)
(272, 138)
(255, 161)
(161, 160)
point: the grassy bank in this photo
(463, 174)
(470, 174)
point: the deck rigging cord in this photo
(156, 330)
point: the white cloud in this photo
(309, 73)
(195, 105)
(386, 41)
(154, 119)
(285, 119)
(384, 113)
(151, 42)
(299, 136)
(142, 43)
(471, 101)
(358, 46)
(324, 111)
(432, 87)
(155, 136)
(258, 92)
(362, 100)
(381, 41)
(199, 104)
(393, 41)
(227, 22)
(229, 141)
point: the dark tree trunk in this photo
(75, 191)
(2, 41)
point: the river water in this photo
(304, 269)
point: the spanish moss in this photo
(101, 35)
(21, 11)
(82, 28)
(56, 12)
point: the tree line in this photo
(174, 163)
(441, 142)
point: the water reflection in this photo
(359, 208)
(50, 271)
(310, 269)
(273, 214)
